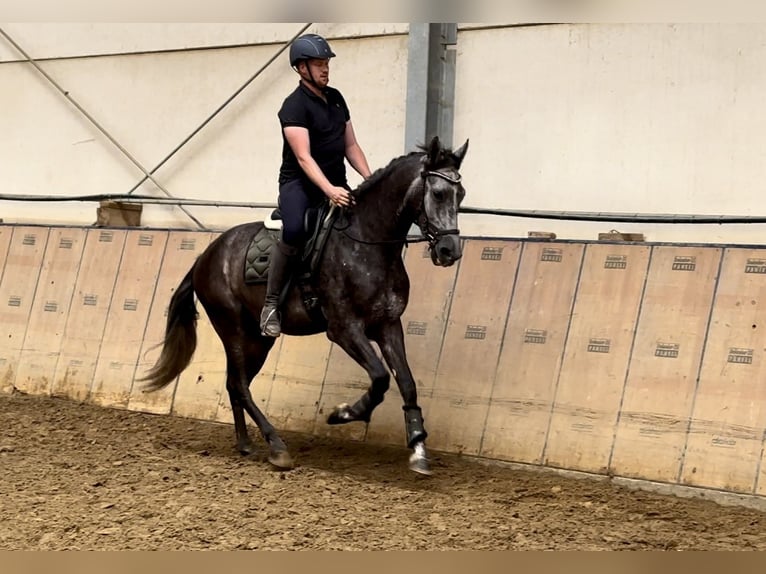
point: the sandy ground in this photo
(76, 476)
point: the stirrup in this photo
(270, 324)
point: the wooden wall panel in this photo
(90, 305)
(126, 321)
(533, 348)
(199, 387)
(666, 359)
(182, 250)
(17, 291)
(297, 383)
(456, 413)
(724, 446)
(639, 361)
(47, 321)
(596, 357)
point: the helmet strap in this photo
(310, 79)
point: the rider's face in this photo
(320, 71)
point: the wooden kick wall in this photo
(638, 360)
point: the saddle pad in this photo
(258, 255)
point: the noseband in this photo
(430, 232)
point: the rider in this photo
(317, 136)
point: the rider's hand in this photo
(340, 196)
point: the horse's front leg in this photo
(352, 339)
(391, 341)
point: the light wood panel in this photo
(297, 383)
(729, 416)
(48, 317)
(126, 321)
(530, 361)
(596, 357)
(91, 301)
(17, 291)
(456, 413)
(670, 335)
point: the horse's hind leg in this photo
(236, 373)
(244, 360)
(391, 340)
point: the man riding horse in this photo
(317, 136)
(361, 286)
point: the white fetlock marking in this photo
(343, 411)
(418, 454)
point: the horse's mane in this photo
(381, 173)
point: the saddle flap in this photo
(318, 221)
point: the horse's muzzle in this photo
(446, 250)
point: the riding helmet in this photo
(309, 46)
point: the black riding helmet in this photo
(309, 46)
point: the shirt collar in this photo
(308, 91)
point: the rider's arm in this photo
(354, 153)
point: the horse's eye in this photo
(438, 194)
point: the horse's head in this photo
(442, 194)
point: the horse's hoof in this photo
(340, 415)
(246, 449)
(420, 465)
(281, 460)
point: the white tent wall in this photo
(634, 118)
(149, 101)
(648, 118)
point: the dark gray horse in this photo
(361, 285)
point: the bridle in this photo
(430, 232)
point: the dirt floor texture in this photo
(76, 476)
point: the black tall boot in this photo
(283, 259)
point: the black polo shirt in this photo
(326, 123)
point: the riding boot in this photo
(283, 258)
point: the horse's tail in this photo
(180, 338)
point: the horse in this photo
(361, 287)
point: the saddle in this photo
(317, 223)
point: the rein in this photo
(431, 234)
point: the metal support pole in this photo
(417, 83)
(441, 82)
(430, 86)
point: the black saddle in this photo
(317, 223)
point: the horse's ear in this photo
(460, 153)
(433, 150)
